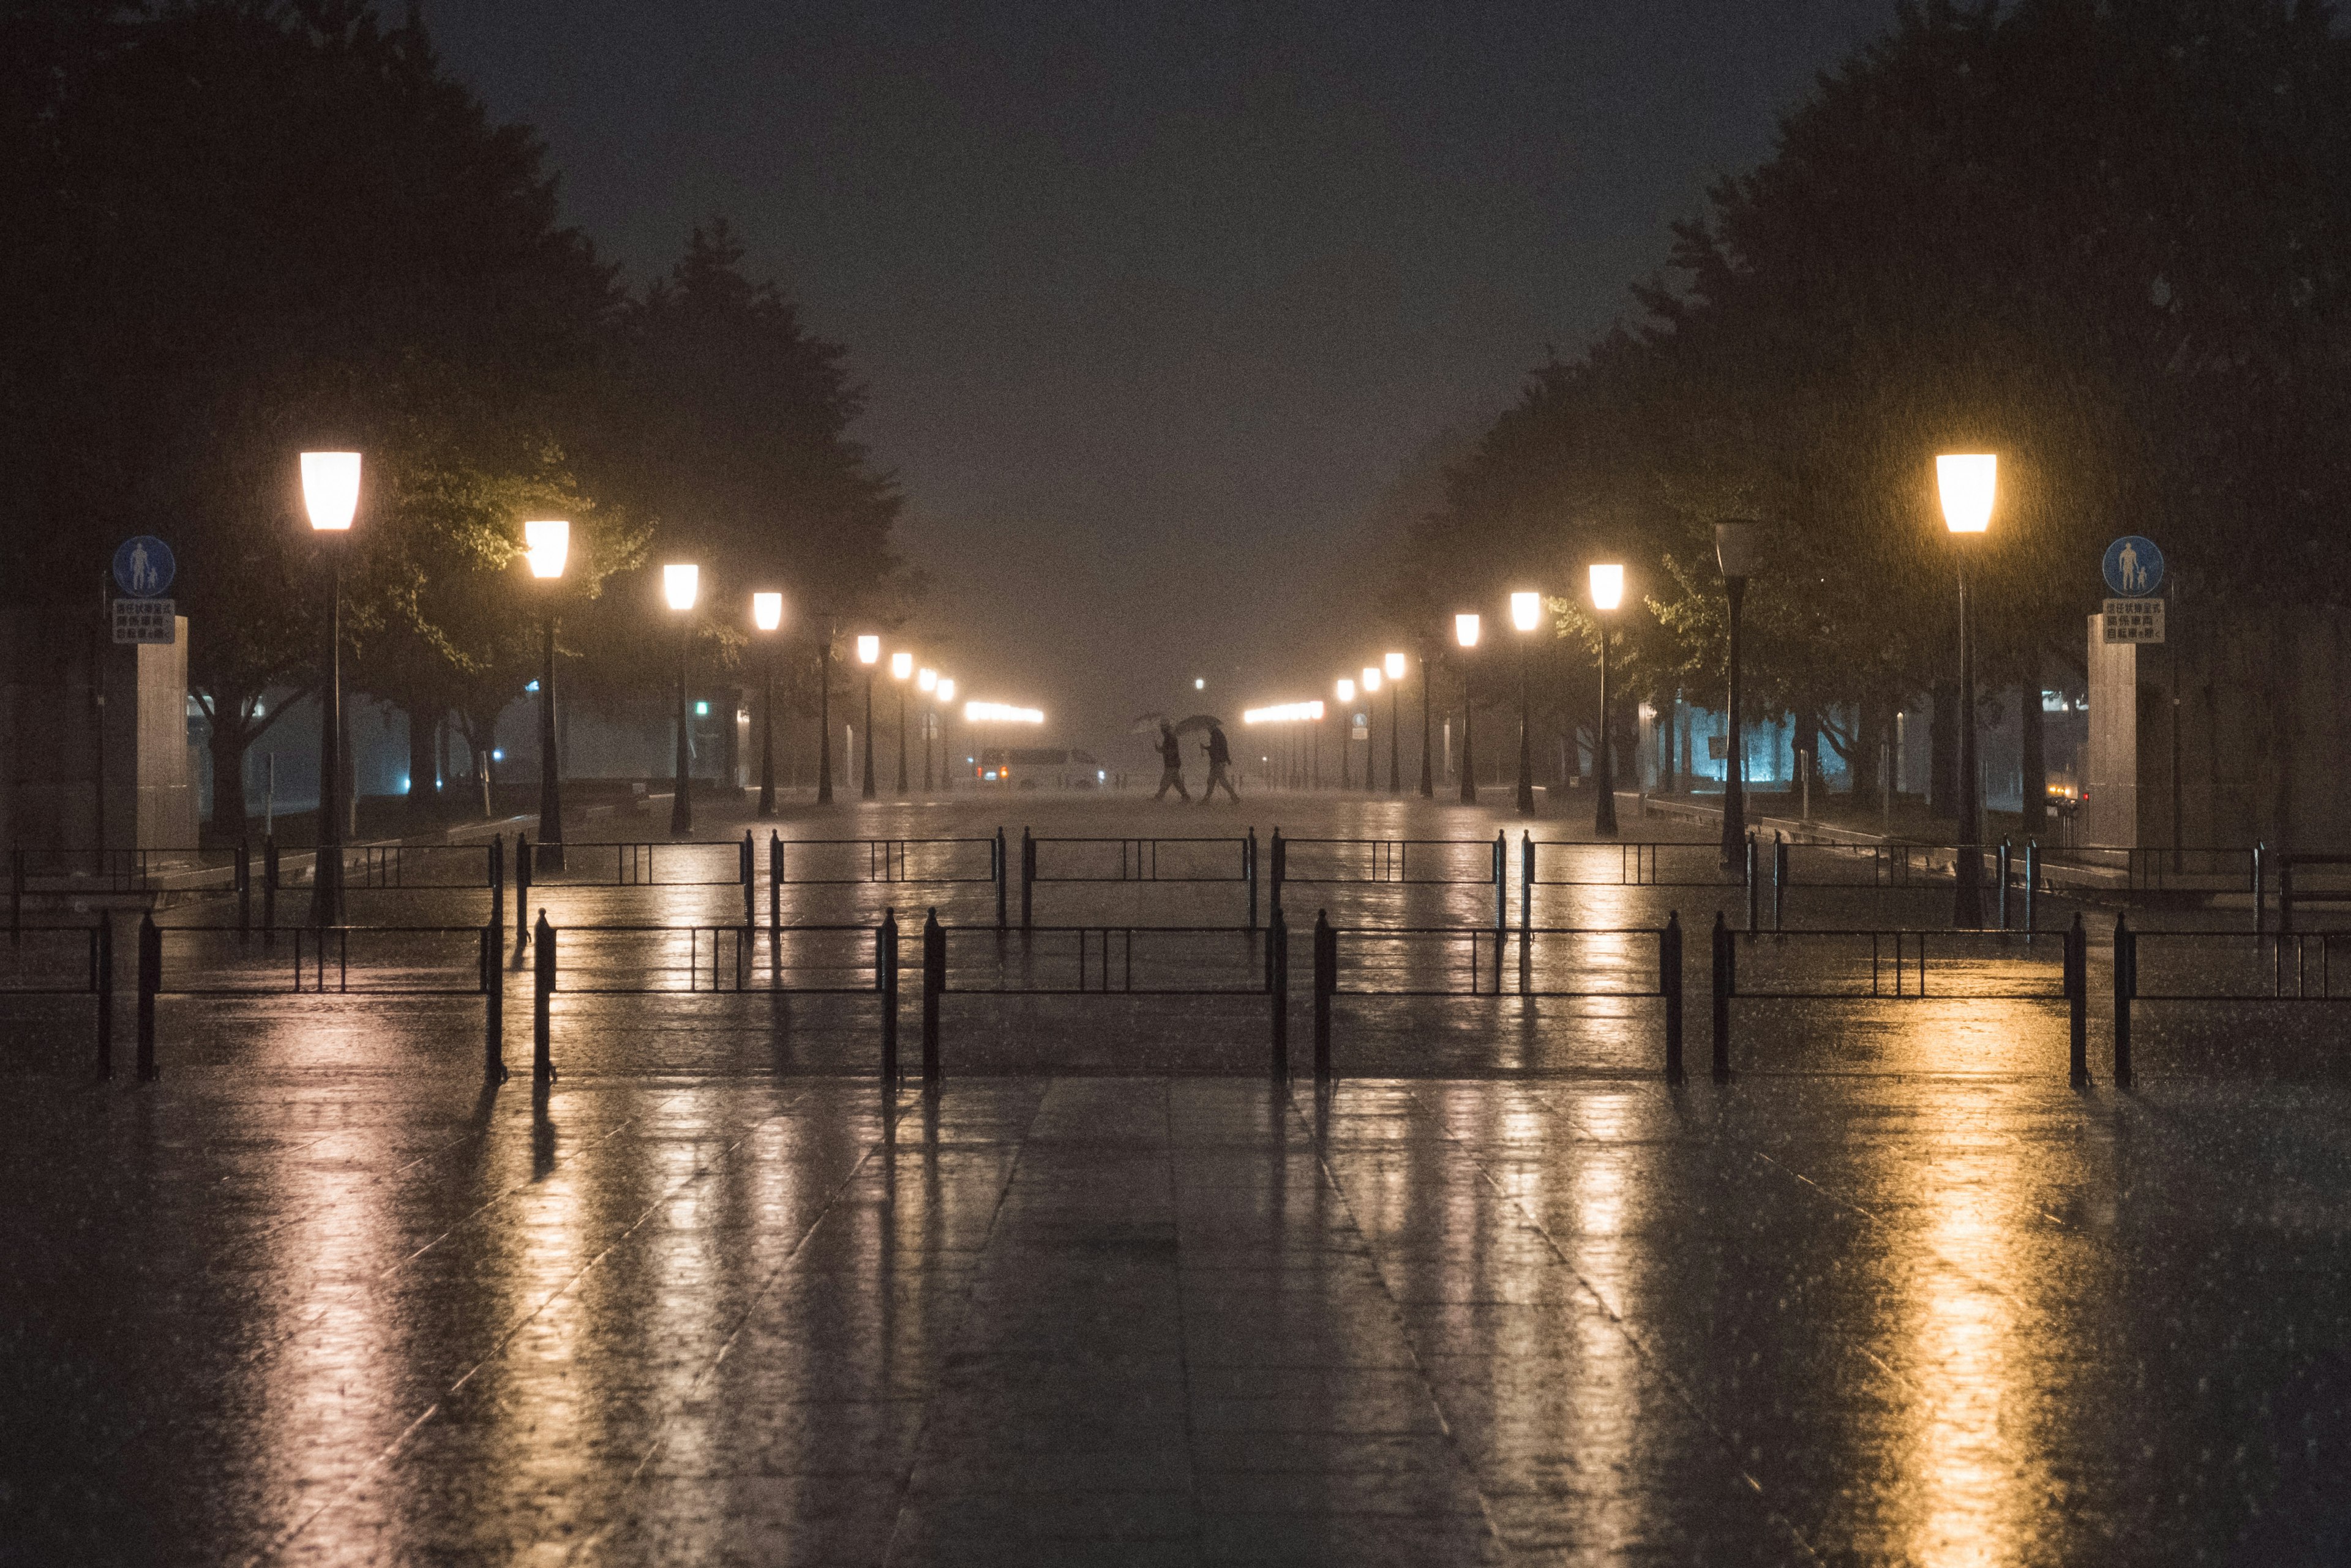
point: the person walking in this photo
(1221, 765)
(1171, 764)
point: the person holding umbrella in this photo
(1171, 764)
(1221, 763)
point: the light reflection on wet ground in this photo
(1894, 1294)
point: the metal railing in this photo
(1480, 965)
(66, 960)
(2224, 967)
(1561, 862)
(1389, 862)
(1149, 860)
(1900, 962)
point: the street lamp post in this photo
(1346, 689)
(1371, 743)
(869, 653)
(1427, 777)
(1607, 594)
(824, 714)
(947, 718)
(1525, 614)
(927, 681)
(901, 670)
(1395, 662)
(1738, 550)
(1466, 628)
(1968, 483)
(680, 583)
(549, 545)
(330, 494)
(767, 614)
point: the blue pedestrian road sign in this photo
(143, 565)
(2134, 567)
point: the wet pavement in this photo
(1111, 1294)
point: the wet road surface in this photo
(1111, 1294)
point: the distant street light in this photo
(869, 653)
(1346, 689)
(1968, 483)
(767, 614)
(1395, 663)
(1465, 632)
(680, 584)
(330, 494)
(547, 545)
(1526, 614)
(1371, 746)
(901, 670)
(1739, 551)
(927, 681)
(1607, 594)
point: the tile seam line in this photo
(1617, 1320)
(995, 1219)
(1395, 1314)
(287, 1536)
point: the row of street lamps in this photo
(331, 492)
(1966, 483)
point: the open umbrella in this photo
(1147, 724)
(1198, 722)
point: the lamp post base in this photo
(545, 856)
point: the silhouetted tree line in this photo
(2109, 240)
(242, 229)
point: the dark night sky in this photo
(1155, 301)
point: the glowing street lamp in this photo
(1466, 628)
(767, 614)
(869, 653)
(1607, 594)
(927, 681)
(1739, 551)
(330, 494)
(1346, 690)
(1393, 664)
(547, 545)
(1526, 614)
(681, 583)
(901, 670)
(1967, 482)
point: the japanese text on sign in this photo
(2134, 620)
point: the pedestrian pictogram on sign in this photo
(143, 567)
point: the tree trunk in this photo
(1862, 772)
(424, 771)
(1806, 747)
(2036, 763)
(1667, 766)
(228, 746)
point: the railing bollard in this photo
(2125, 987)
(934, 984)
(494, 1005)
(542, 1001)
(885, 982)
(1326, 982)
(1526, 884)
(1277, 986)
(2004, 865)
(1280, 865)
(1669, 986)
(1779, 881)
(2032, 887)
(2077, 999)
(1027, 876)
(1754, 893)
(270, 888)
(775, 889)
(1725, 979)
(750, 885)
(1003, 877)
(522, 891)
(1501, 900)
(2261, 901)
(1248, 856)
(244, 888)
(150, 980)
(104, 959)
(497, 861)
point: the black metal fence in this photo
(1156, 860)
(66, 960)
(2222, 966)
